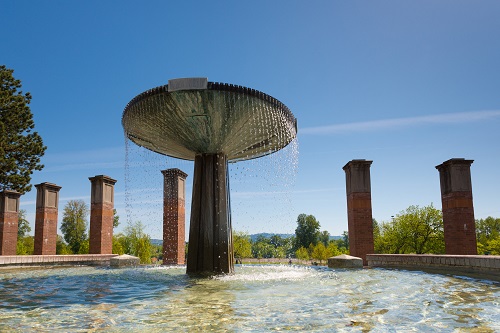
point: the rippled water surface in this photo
(254, 299)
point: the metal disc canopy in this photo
(192, 116)
(212, 124)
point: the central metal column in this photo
(210, 248)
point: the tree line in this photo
(307, 243)
(75, 238)
(415, 230)
(419, 230)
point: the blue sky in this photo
(407, 84)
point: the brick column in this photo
(47, 202)
(458, 209)
(101, 215)
(359, 208)
(174, 217)
(9, 209)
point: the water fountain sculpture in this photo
(212, 124)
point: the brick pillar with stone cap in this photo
(101, 215)
(9, 213)
(359, 208)
(174, 216)
(47, 204)
(457, 206)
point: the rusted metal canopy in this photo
(192, 116)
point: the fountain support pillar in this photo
(9, 215)
(174, 217)
(210, 235)
(47, 203)
(101, 215)
(359, 208)
(457, 206)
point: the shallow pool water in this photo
(254, 299)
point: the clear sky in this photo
(407, 84)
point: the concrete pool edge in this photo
(477, 266)
(56, 260)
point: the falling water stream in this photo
(254, 299)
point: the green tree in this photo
(62, 247)
(23, 226)
(74, 224)
(25, 245)
(333, 249)
(20, 147)
(302, 253)
(307, 231)
(415, 230)
(116, 219)
(242, 245)
(324, 237)
(262, 248)
(136, 242)
(342, 243)
(488, 235)
(320, 252)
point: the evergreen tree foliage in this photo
(74, 224)
(20, 147)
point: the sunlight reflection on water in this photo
(256, 298)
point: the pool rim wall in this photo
(477, 266)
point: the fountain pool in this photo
(253, 299)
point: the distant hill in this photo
(157, 241)
(253, 237)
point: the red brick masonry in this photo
(459, 223)
(45, 230)
(359, 208)
(360, 224)
(8, 233)
(47, 202)
(9, 208)
(174, 217)
(458, 208)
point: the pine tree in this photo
(20, 147)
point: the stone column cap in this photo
(174, 172)
(105, 178)
(12, 193)
(453, 161)
(357, 162)
(51, 186)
